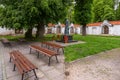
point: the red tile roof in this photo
(114, 22)
(62, 25)
(76, 25)
(51, 25)
(89, 25)
(94, 24)
(99, 23)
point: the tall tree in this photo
(54, 12)
(13, 16)
(83, 13)
(32, 13)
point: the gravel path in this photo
(102, 66)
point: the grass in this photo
(12, 38)
(15, 38)
(93, 45)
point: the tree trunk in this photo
(84, 30)
(28, 34)
(40, 31)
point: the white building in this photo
(105, 27)
(60, 28)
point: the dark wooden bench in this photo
(53, 45)
(5, 42)
(44, 51)
(22, 63)
(22, 40)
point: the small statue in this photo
(67, 27)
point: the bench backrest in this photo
(4, 40)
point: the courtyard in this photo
(59, 39)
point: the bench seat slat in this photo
(53, 44)
(19, 61)
(27, 61)
(19, 67)
(22, 63)
(12, 55)
(43, 50)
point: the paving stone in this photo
(46, 68)
(102, 66)
(53, 73)
(44, 71)
(1, 74)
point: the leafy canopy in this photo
(28, 13)
(83, 11)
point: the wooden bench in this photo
(5, 42)
(22, 40)
(22, 63)
(53, 45)
(44, 51)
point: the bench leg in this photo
(63, 50)
(9, 44)
(42, 45)
(46, 46)
(58, 50)
(56, 58)
(30, 50)
(22, 76)
(10, 59)
(49, 61)
(35, 73)
(14, 67)
(38, 55)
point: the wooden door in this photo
(106, 30)
(59, 30)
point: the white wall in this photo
(92, 30)
(116, 30)
(111, 30)
(95, 30)
(77, 30)
(62, 30)
(4, 31)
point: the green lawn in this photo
(12, 38)
(93, 45)
(15, 38)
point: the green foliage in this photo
(30, 13)
(83, 11)
(92, 45)
(118, 12)
(103, 10)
